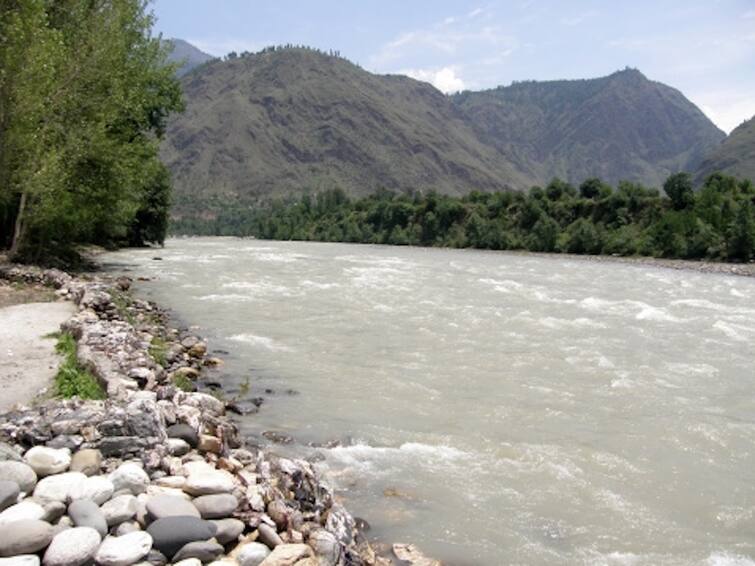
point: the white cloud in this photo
(725, 109)
(573, 21)
(474, 13)
(749, 15)
(444, 79)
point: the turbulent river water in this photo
(493, 408)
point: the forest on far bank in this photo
(715, 223)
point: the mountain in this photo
(188, 56)
(735, 156)
(622, 126)
(289, 120)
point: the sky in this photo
(705, 48)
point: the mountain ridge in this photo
(735, 156)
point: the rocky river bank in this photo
(156, 473)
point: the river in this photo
(492, 408)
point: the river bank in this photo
(157, 472)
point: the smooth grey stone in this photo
(25, 509)
(170, 534)
(269, 536)
(185, 433)
(125, 550)
(156, 558)
(25, 537)
(7, 452)
(228, 530)
(218, 506)
(19, 472)
(54, 510)
(9, 492)
(161, 506)
(120, 509)
(252, 554)
(86, 513)
(205, 551)
(72, 547)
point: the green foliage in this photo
(72, 380)
(184, 383)
(679, 189)
(717, 223)
(158, 349)
(84, 96)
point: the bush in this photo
(72, 380)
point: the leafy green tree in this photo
(742, 240)
(679, 190)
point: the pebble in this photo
(86, 513)
(54, 510)
(288, 555)
(119, 509)
(185, 433)
(162, 506)
(87, 461)
(268, 536)
(178, 446)
(19, 472)
(205, 551)
(228, 530)
(188, 562)
(48, 461)
(21, 560)
(25, 509)
(25, 537)
(218, 506)
(9, 492)
(252, 554)
(125, 550)
(126, 528)
(130, 476)
(7, 452)
(170, 534)
(97, 488)
(209, 482)
(58, 488)
(72, 547)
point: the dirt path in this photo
(28, 361)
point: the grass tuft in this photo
(72, 380)
(158, 349)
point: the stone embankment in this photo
(154, 474)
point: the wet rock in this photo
(268, 536)
(209, 482)
(252, 554)
(278, 437)
(288, 555)
(204, 551)
(59, 487)
(185, 433)
(119, 509)
(218, 506)
(87, 461)
(412, 555)
(197, 350)
(86, 513)
(162, 506)
(97, 488)
(228, 530)
(24, 510)
(72, 547)
(130, 476)
(125, 550)
(9, 492)
(170, 534)
(25, 537)
(19, 472)
(325, 546)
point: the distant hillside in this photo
(291, 120)
(622, 126)
(188, 56)
(735, 156)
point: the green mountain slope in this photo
(293, 120)
(186, 55)
(622, 126)
(735, 156)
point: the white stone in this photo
(72, 547)
(209, 482)
(119, 509)
(178, 446)
(130, 476)
(46, 461)
(26, 509)
(189, 562)
(252, 554)
(59, 487)
(21, 560)
(125, 550)
(175, 482)
(155, 490)
(97, 488)
(197, 466)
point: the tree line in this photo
(85, 92)
(716, 223)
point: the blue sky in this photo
(705, 48)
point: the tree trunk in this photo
(19, 228)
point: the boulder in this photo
(48, 461)
(252, 554)
(125, 550)
(59, 487)
(170, 534)
(162, 506)
(19, 472)
(25, 537)
(72, 547)
(9, 492)
(325, 546)
(217, 506)
(130, 476)
(87, 461)
(97, 488)
(86, 513)
(24, 510)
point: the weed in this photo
(72, 380)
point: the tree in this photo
(742, 241)
(679, 190)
